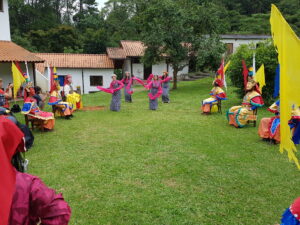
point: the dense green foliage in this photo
(173, 166)
(265, 54)
(32, 21)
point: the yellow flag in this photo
(288, 47)
(18, 78)
(227, 65)
(260, 77)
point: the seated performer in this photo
(216, 93)
(56, 102)
(5, 95)
(239, 116)
(269, 128)
(291, 216)
(40, 97)
(31, 108)
(114, 89)
(72, 96)
(25, 199)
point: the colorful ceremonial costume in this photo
(165, 87)
(291, 216)
(24, 198)
(31, 109)
(114, 89)
(269, 128)
(55, 100)
(217, 94)
(127, 81)
(239, 116)
(71, 96)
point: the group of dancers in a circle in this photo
(157, 86)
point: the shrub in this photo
(265, 54)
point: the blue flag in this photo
(277, 82)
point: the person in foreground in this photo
(114, 89)
(239, 116)
(217, 94)
(291, 215)
(25, 199)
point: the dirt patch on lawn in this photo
(93, 108)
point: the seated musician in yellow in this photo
(72, 96)
(217, 94)
(239, 116)
(56, 101)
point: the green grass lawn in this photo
(171, 166)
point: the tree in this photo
(265, 54)
(175, 30)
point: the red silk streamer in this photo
(111, 90)
(245, 73)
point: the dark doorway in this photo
(147, 71)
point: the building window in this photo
(1, 5)
(96, 80)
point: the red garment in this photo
(66, 81)
(6, 101)
(154, 84)
(295, 208)
(245, 73)
(112, 90)
(258, 100)
(33, 201)
(11, 140)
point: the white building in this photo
(233, 41)
(88, 70)
(10, 52)
(128, 58)
(4, 21)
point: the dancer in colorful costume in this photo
(31, 108)
(217, 94)
(269, 128)
(56, 101)
(127, 81)
(5, 95)
(72, 96)
(165, 87)
(25, 199)
(114, 89)
(291, 216)
(154, 85)
(239, 116)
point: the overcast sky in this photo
(101, 3)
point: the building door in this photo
(147, 71)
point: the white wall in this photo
(4, 23)
(159, 68)
(6, 74)
(237, 42)
(138, 70)
(77, 77)
(184, 71)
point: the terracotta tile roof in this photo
(116, 53)
(133, 48)
(10, 51)
(66, 60)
